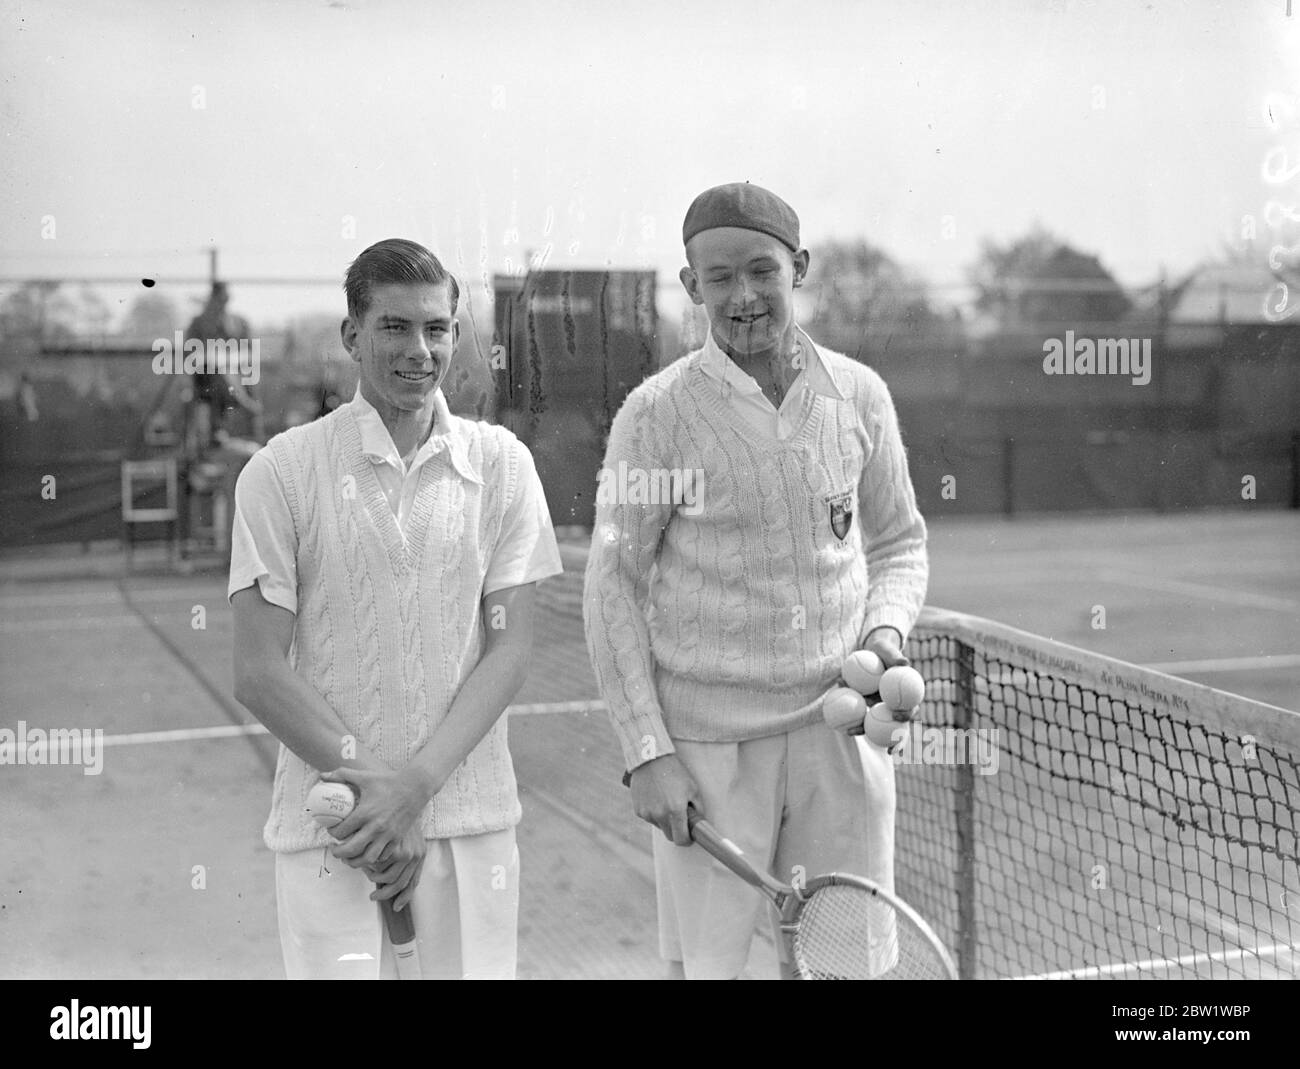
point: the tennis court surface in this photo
(1133, 826)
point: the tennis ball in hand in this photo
(844, 708)
(329, 803)
(862, 671)
(902, 688)
(880, 725)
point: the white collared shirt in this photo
(264, 541)
(742, 393)
(398, 480)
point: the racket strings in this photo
(847, 933)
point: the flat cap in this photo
(743, 205)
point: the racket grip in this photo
(708, 837)
(401, 925)
(401, 933)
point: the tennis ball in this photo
(902, 688)
(844, 708)
(880, 725)
(862, 671)
(329, 803)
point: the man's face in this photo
(745, 281)
(404, 344)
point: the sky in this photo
(291, 134)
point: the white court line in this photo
(40, 601)
(1200, 590)
(111, 597)
(232, 731)
(227, 731)
(1229, 664)
(1096, 972)
(19, 627)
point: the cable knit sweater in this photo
(722, 589)
(388, 628)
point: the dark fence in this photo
(987, 429)
(77, 412)
(1214, 426)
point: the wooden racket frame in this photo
(789, 901)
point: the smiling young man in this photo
(382, 578)
(715, 631)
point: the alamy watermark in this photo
(215, 356)
(57, 746)
(1105, 356)
(76, 1021)
(916, 743)
(627, 485)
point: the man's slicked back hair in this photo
(394, 260)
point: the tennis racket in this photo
(839, 927)
(329, 803)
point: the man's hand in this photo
(398, 871)
(887, 644)
(661, 790)
(382, 834)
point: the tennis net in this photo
(1066, 815)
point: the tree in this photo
(50, 313)
(32, 315)
(865, 300)
(91, 314)
(151, 316)
(1041, 279)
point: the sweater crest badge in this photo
(841, 511)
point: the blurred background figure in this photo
(223, 426)
(224, 408)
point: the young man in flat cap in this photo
(766, 528)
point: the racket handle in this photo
(400, 925)
(710, 839)
(401, 933)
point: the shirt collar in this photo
(447, 434)
(818, 377)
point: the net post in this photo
(964, 801)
